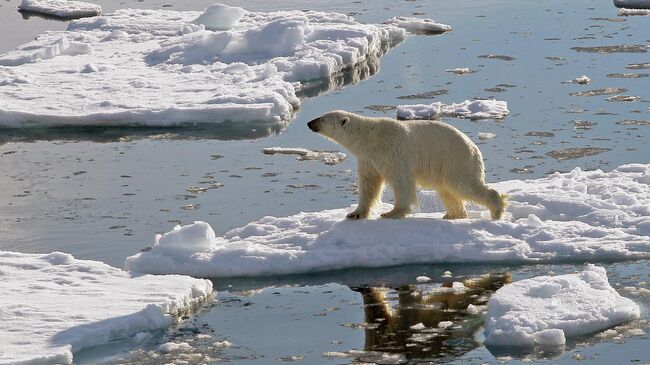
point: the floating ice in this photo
(546, 310)
(581, 215)
(460, 70)
(329, 158)
(61, 8)
(55, 305)
(477, 109)
(633, 12)
(486, 135)
(162, 68)
(419, 25)
(632, 4)
(582, 80)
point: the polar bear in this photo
(404, 154)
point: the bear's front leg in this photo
(370, 187)
(404, 191)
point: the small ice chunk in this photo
(447, 274)
(61, 8)
(335, 354)
(220, 17)
(635, 332)
(418, 327)
(192, 237)
(477, 109)
(445, 324)
(327, 157)
(582, 80)
(633, 12)
(422, 279)
(546, 310)
(174, 346)
(419, 25)
(460, 70)
(222, 344)
(486, 135)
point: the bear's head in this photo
(334, 125)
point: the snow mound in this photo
(419, 25)
(632, 4)
(577, 216)
(163, 68)
(329, 158)
(61, 8)
(55, 305)
(546, 310)
(477, 109)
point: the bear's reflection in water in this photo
(414, 320)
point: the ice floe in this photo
(582, 80)
(486, 135)
(419, 25)
(546, 310)
(633, 12)
(576, 216)
(66, 9)
(476, 109)
(460, 70)
(329, 158)
(632, 4)
(55, 305)
(162, 67)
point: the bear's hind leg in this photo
(405, 195)
(454, 205)
(371, 185)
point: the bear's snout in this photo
(314, 124)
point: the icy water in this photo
(102, 194)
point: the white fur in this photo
(404, 154)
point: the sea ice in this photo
(582, 80)
(67, 9)
(486, 135)
(476, 109)
(580, 215)
(546, 310)
(55, 305)
(163, 67)
(632, 12)
(419, 25)
(460, 70)
(329, 158)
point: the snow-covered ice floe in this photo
(633, 12)
(546, 310)
(576, 216)
(66, 9)
(419, 25)
(162, 67)
(476, 109)
(582, 80)
(329, 158)
(632, 4)
(54, 305)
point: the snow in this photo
(55, 305)
(61, 8)
(477, 109)
(632, 4)
(546, 310)
(168, 347)
(163, 67)
(576, 216)
(419, 25)
(422, 279)
(329, 158)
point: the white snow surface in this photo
(546, 310)
(632, 4)
(329, 158)
(163, 67)
(633, 12)
(54, 305)
(476, 109)
(576, 216)
(61, 8)
(419, 25)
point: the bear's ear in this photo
(344, 120)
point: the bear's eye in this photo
(343, 121)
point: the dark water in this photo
(103, 193)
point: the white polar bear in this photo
(404, 154)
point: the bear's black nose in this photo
(313, 124)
